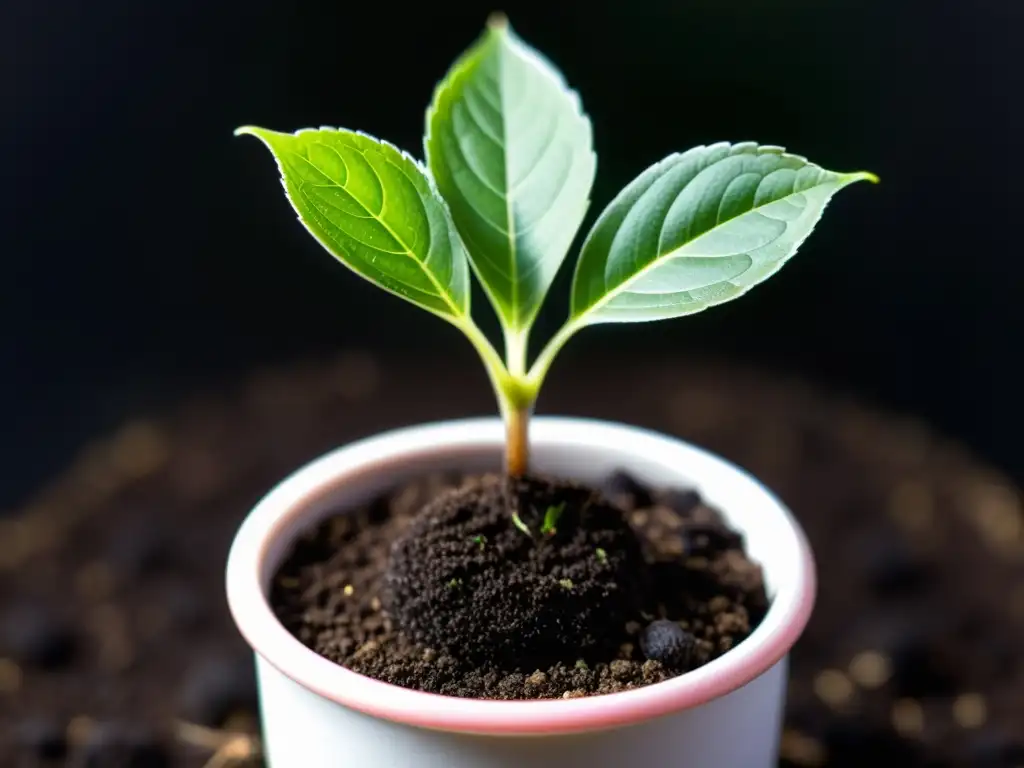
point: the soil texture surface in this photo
(485, 587)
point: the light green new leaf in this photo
(374, 208)
(698, 229)
(511, 153)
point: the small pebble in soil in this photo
(665, 641)
(217, 688)
(35, 636)
(41, 739)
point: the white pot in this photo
(316, 714)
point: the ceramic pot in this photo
(317, 714)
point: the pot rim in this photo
(275, 515)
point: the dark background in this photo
(147, 254)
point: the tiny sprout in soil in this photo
(518, 522)
(548, 527)
(505, 187)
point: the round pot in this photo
(315, 714)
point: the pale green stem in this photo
(515, 388)
(517, 421)
(515, 399)
(516, 343)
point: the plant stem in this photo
(495, 368)
(515, 388)
(515, 396)
(516, 343)
(517, 455)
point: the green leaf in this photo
(698, 229)
(550, 525)
(510, 150)
(375, 210)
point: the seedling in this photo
(548, 527)
(506, 184)
(481, 540)
(517, 521)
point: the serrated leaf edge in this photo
(579, 319)
(499, 26)
(458, 316)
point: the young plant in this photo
(507, 181)
(550, 525)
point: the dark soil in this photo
(114, 570)
(435, 587)
(464, 579)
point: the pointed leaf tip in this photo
(337, 181)
(249, 130)
(856, 176)
(699, 229)
(512, 154)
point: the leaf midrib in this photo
(509, 223)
